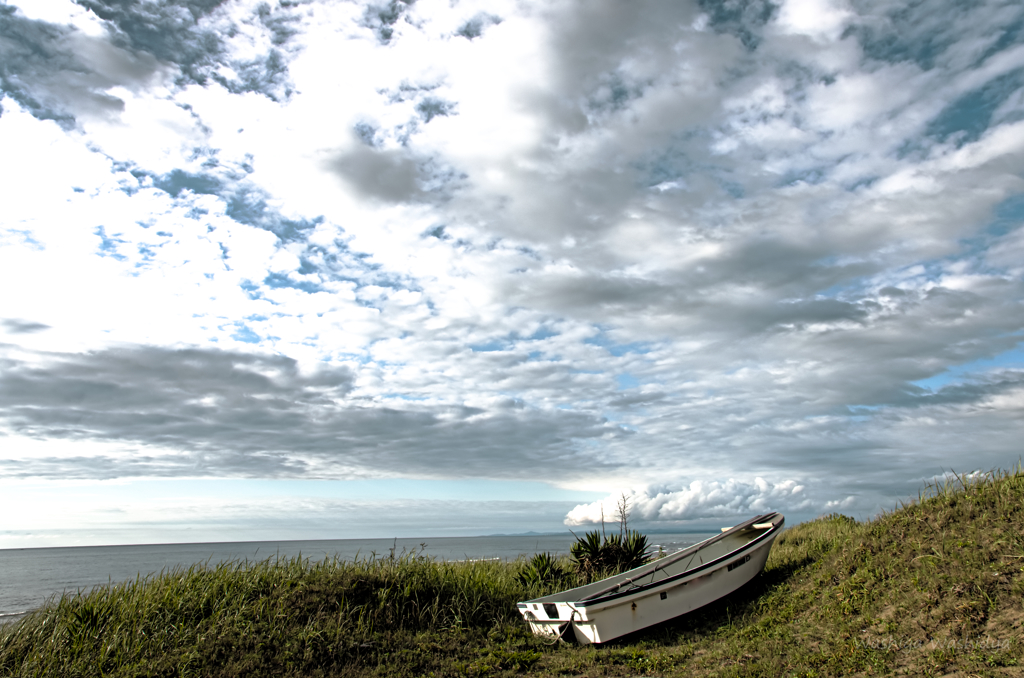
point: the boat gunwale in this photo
(652, 586)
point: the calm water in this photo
(28, 577)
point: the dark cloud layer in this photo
(23, 327)
(57, 74)
(208, 412)
(167, 30)
(384, 174)
(172, 32)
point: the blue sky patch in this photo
(249, 206)
(626, 381)
(243, 333)
(279, 280)
(618, 350)
(541, 333)
(489, 346)
(1012, 359)
(744, 19)
(108, 245)
(433, 107)
(474, 28)
(1008, 216)
(967, 118)
(176, 181)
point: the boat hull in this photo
(688, 588)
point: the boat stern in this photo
(547, 619)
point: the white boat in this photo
(658, 591)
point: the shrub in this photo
(593, 556)
(543, 568)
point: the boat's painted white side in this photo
(712, 572)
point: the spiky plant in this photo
(543, 568)
(593, 556)
(634, 550)
(587, 554)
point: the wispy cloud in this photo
(227, 414)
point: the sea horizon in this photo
(31, 576)
(648, 533)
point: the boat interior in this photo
(690, 558)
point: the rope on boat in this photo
(565, 627)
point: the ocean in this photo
(30, 577)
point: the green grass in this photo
(932, 588)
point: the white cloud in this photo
(700, 499)
(823, 20)
(840, 504)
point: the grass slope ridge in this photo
(932, 588)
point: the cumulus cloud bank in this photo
(701, 499)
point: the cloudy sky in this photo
(336, 268)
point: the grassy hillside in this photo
(934, 588)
